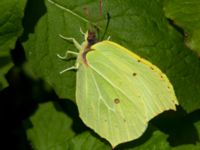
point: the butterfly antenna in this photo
(98, 32)
(107, 24)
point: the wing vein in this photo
(99, 92)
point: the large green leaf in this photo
(140, 28)
(49, 127)
(11, 14)
(139, 25)
(186, 15)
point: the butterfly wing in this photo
(118, 92)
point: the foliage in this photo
(38, 104)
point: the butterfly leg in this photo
(77, 45)
(67, 54)
(75, 67)
(70, 68)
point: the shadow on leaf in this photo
(30, 19)
(179, 126)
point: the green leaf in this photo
(87, 141)
(186, 15)
(49, 127)
(147, 32)
(11, 14)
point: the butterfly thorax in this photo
(90, 40)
